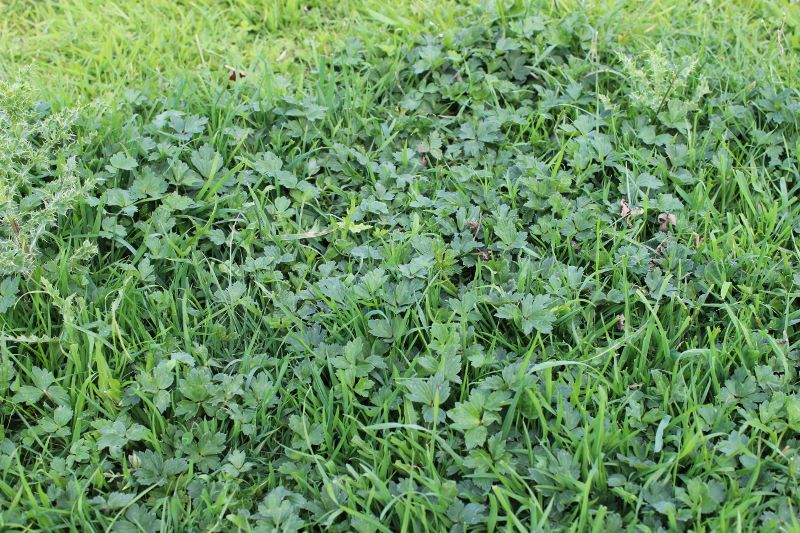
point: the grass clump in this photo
(519, 273)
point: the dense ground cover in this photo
(500, 267)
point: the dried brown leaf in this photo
(665, 220)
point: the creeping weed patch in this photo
(510, 276)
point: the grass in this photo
(81, 50)
(521, 266)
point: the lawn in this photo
(423, 266)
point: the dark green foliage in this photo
(511, 277)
